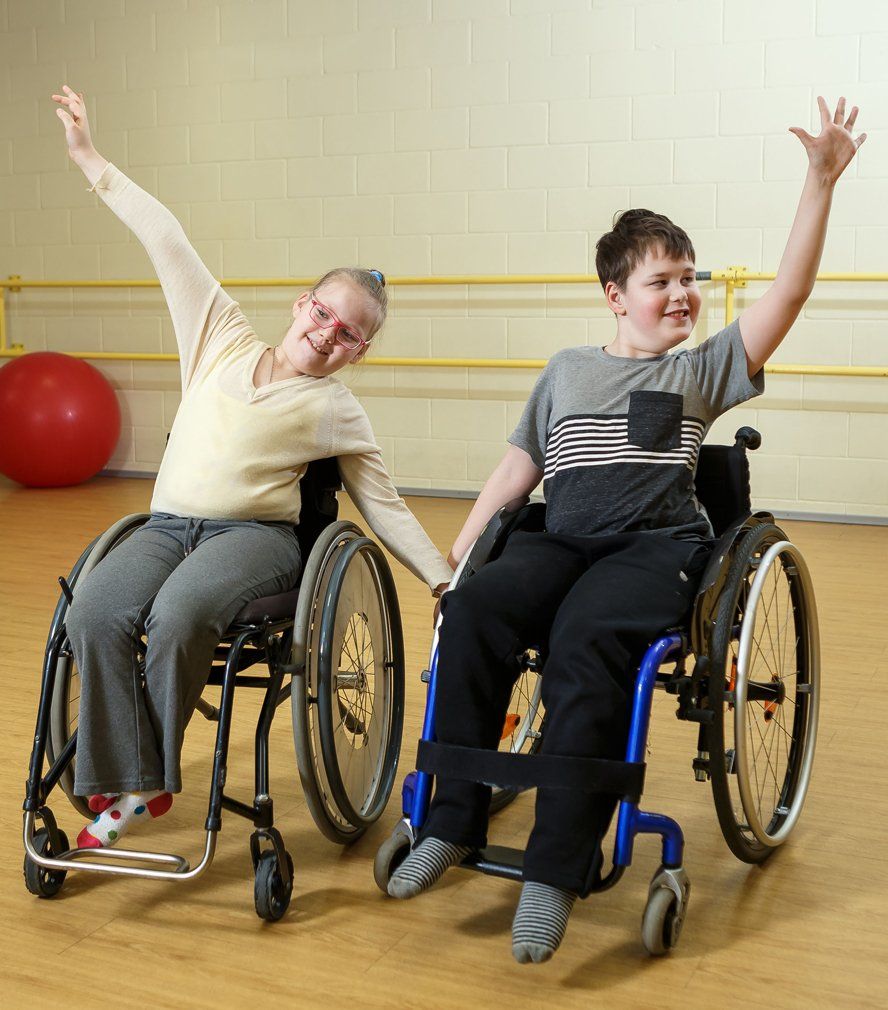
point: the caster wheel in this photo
(271, 894)
(42, 882)
(393, 851)
(661, 924)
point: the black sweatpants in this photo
(598, 602)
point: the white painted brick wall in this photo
(451, 136)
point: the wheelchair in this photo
(753, 691)
(333, 647)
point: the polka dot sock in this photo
(101, 801)
(540, 921)
(114, 822)
(425, 866)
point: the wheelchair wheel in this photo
(348, 706)
(270, 894)
(42, 882)
(389, 856)
(65, 702)
(764, 690)
(523, 727)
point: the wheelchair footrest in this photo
(529, 771)
(497, 861)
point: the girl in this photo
(252, 417)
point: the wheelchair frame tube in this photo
(423, 789)
(631, 821)
(36, 789)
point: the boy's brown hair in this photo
(635, 232)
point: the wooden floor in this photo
(806, 930)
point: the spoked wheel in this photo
(40, 881)
(523, 727)
(522, 731)
(65, 704)
(764, 688)
(348, 707)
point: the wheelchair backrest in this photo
(319, 506)
(722, 480)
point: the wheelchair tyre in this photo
(525, 706)
(38, 880)
(393, 851)
(660, 926)
(527, 736)
(66, 691)
(764, 690)
(348, 707)
(270, 893)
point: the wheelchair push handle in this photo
(747, 438)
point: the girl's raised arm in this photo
(193, 295)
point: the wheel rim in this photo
(310, 709)
(354, 686)
(363, 709)
(776, 694)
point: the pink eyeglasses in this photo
(325, 318)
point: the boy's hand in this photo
(73, 115)
(830, 153)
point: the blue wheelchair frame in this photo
(631, 821)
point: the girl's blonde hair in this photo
(371, 281)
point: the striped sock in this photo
(540, 921)
(425, 866)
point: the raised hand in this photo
(831, 151)
(73, 114)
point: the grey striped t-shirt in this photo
(618, 438)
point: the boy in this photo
(614, 432)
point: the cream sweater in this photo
(237, 452)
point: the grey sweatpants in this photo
(180, 582)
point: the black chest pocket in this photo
(655, 419)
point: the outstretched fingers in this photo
(840, 111)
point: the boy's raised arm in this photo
(764, 324)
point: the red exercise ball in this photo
(59, 420)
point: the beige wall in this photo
(441, 136)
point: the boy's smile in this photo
(658, 307)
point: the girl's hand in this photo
(73, 115)
(830, 153)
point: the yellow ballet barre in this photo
(522, 363)
(732, 277)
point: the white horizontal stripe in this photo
(575, 464)
(612, 422)
(611, 443)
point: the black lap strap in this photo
(529, 771)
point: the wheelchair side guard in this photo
(517, 515)
(713, 579)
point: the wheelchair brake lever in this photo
(66, 589)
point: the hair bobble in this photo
(379, 275)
